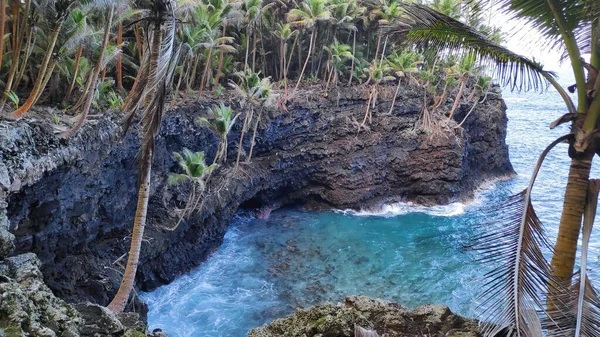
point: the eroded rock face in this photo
(72, 202)
(384, 317)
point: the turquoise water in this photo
(411, 254)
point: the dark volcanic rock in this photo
(384, 317)
(72, 202)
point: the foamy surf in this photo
(402, 208)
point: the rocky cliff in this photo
(72, 202)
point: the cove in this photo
(265, 269)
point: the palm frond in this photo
(514, 244)
(571, 16)
(157, 77)
(427, 28)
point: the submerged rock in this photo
(386, 318)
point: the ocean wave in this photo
(402, 208)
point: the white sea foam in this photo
(402, 208)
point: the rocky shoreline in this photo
(385, 318)
(71, 203)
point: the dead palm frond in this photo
(514, 244)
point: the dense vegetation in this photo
(86, 55)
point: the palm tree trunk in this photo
(2, 23)
(353, 57)
(220, 65)
(287, 66)
(254, 136)
(310, 45)
(224, 141)
(30, 43)
(75, 73)
(182, 74)
(281, 58)
(463, 84)
(94, 79)
(247, 120)
(395, 95)
(248, 32)
(120, 300)
(15, 6)
(328, 79)
(192, 78)
(284, 70)
(37, 87)
(205, 73)
(120, 59)
(378, 46)
(136, 82)
(46, 78)
(563, 259)
(254, 54)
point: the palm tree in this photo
(254, 91)
(515, 288)
(402, 65)
(18, 32)
(339, 53)
(55, 12)
(307, 16)
(157, 69)
(253, 15)
(284, 32)
(466, 69)
(222, 44)
(197, 173)
(220, 124)
(93, 78)
(377, 73)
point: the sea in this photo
(407, 253)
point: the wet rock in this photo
(384, 317)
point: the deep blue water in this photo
(407, 253)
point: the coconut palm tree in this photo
(93, 77)
(220, 124)
(339, 53)
(307, 16)
(516, 288)
(467, 68)
(55, 12)
(197, 173)
(20, 29)
(402, 65)
(254, 91)
(253, 10)
(378, 73)
(158, 69)
(284, 32)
